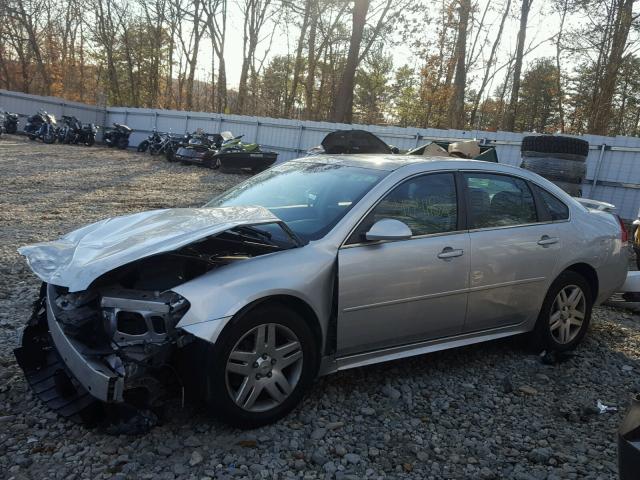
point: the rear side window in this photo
(498, 201)
(556, 208)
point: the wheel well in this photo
(589, 274)
(299, 306)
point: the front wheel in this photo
(143, 146)
(90, 140)
(261, 366)
(49, 138)
(566, 311)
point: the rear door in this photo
(514, 249)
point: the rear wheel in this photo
(261, 366)
(566, 311)
(123, 143)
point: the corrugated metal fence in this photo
(613, 165)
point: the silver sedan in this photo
(316, 265)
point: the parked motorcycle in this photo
(118, 136)
(156, 143)
(144, 145)
(10, 121)
(74, 131)
(42, 125)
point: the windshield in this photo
(309, 197)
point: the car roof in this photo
(395, 162)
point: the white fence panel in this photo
(613, 167)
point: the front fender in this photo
(305, 273)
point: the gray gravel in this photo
(486, 411)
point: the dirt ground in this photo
(487, 411)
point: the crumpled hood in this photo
(78, 258)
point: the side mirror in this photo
(388, 229)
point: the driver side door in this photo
(399, 292)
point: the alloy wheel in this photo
(264, 367)
(567, 314)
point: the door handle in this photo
(547, 240)
(449, 252)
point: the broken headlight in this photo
(136, 316)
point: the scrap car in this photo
(316, 265)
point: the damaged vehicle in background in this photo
(316, 265)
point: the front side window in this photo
(498, 201)
(427, 204)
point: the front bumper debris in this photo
(46, 372)
(71, 367)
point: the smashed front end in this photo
(111, 345)
(109, 336)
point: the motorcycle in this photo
(156, 143)
(118, 136)
(144, 145)
(75, 132)
(2, 130)
(10, 122)
(42, 125)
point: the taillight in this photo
(624, 235)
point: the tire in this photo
(90, 140)
(555, 144)
(123, 143)
(170, 155)
(552, 168)
(547, 338)
(143, 145)
(49, 138)
(260, 408)
(32, 137)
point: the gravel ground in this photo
(486, 411)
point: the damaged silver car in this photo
(313, 266)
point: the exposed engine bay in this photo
(117, 342)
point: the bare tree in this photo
(256, 13)
(510, 116)
(606, 84)
(456, 104)
(489, 64)
(216, 19)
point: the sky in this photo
(543, 25)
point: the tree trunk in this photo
(558, 67)
(512, 110)
(290, 100)
(311, 66)
(456, 104)
(601, 115)
(343, 102)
